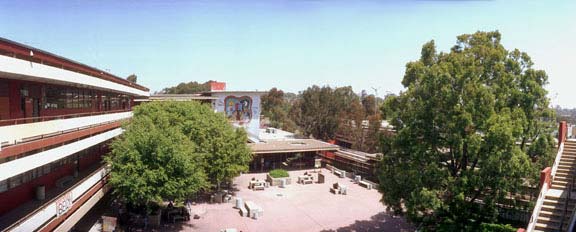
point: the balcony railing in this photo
(54, 209)
(49, 126)
(17, 121)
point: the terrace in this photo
(299, 207)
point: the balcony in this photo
(20, 69)
(19, 130)
(62, 207)
(18, 166)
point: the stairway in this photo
(553, 207)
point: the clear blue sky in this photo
(288, 44)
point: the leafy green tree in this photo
(132, 78)
(223, 147)
(369, 103)
(153, 160)
(320, 111)
(276, 107)
(188, 88)
(171, 150)
(462, 125)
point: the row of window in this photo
(75, 98)
(68, 98)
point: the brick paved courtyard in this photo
(300, 208)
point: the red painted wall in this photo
(14, 197)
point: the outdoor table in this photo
(305, 179)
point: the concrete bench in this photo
(365, 184)
(243, 211)
(340, 173)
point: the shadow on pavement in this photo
(378, 223)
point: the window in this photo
(3, 186)
(46, 169)
(15, 181)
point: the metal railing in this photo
(17, 121)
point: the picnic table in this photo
(257, 185)
(305, 179)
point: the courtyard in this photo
(298, 207)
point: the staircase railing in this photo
(566, 201)
(557, 160)
(572, 225)
(572, 222)
(544, 189)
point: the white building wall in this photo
(10, 65)
(16, 133)
(24, 164)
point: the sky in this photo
(257, 45)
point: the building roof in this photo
(271, 133)
(358, 156)
(232, 91)
(291, 146)
(23, 50)
(178, 97)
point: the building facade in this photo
(57, 117)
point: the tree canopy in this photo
(188, 88)
(276, 107)
(171, 150)
(132, 78)
(463, 124)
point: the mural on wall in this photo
(241, 108)
(238, 109)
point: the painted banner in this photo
(64, 204)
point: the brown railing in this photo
(16, 121)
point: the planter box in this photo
(276, 181)
(154, 220)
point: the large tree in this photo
(276, 107)
(319, 109)
(188, 88)
(462, 125)
(171, 150)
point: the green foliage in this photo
(278, 173)
(320, 111)
(132, 78)
(276, 107)
(487, 227)
(171, 150)
(188, 88)
(462, 129)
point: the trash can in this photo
(40, 192)
(282, 183)
(357, 179)
(239, 203)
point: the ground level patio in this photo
(300, 207)
(297, 207)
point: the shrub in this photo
(278, 173)
(497, 227)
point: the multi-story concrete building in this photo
(56, 118)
